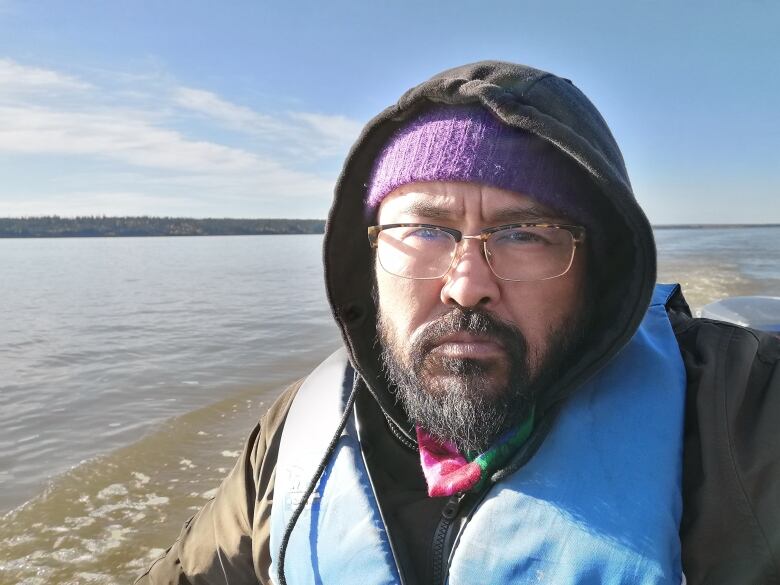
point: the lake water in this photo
(133, 369)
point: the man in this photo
(516, 402)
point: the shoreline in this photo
(145, 226)
(55, 227)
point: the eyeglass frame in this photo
(577, 233)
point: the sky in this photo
(248, 108)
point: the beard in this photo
(472, 402)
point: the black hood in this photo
(554, 110)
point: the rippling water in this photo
(133, 369)
(103, 338)
(716, 263)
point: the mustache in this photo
(474, 321)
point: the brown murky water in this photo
(106, 520)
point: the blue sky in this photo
(246, 109)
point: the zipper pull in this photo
(450, 509)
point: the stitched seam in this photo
(732, 460)
(526, 86)
(520, 100)
(160, 558)
(398, 434)
(732, 326)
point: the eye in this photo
(521, 237)
(426, 234)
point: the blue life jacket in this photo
(598, 503)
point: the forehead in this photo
(449, 200)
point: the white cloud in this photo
(312, 134)
(213, 106)
(150, 157)
(112, 135)
(336, 133)
(16, 78)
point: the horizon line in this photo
(191, 218)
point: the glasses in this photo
(520, 252)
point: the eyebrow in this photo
(530, 213)
(509, 214)
(422, 208)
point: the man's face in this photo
(465, 351)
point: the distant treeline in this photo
(54, 226)
(95, 226)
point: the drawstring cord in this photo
(313, 483)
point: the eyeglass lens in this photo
(518, 253)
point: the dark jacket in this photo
(731, 519)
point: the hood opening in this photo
(556, 112)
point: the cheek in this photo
(542, 307)
(404, 303)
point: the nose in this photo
(470, 282)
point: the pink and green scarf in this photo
(448, 472)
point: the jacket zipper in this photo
(443, 540)
(440, 552)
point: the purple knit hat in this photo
(468, 143)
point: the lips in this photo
(464, 345)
